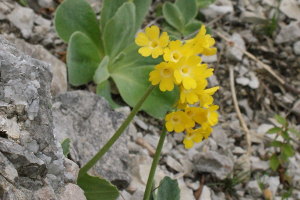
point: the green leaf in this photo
(173, 16)
(285, 135)
(102, 73)
(104, 90)
(281, 120)
(274, 162)
(187, 8)
(83, 59)
(288, 150)
(191, 27)
(168, 189)
(141, 9)
(276, 144)
(131, 74)
(119, 31)
(108, 10)
(66, 146)
(204, 3)
(96, 188)
(274, 130)
(77, 15)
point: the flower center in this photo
(175, 119)
(185, 70)
(176, 56)
(154, 44)
(166, 72)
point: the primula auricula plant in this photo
(195, 112)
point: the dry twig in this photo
(238, 111)
(146, 145)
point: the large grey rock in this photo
(57, 67)
(32, 163)
(212, 162)
(89, 122)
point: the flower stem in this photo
(117, 134)
(154, 164)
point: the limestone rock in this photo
(235, 52)
(212, 162)
(89, 122)
(57, 67)
(23, 19)
(31, 158)
(289, 33)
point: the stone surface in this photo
(289, 33)
(89, 122)
(23, 19)
(235, 52)
(253, 188)
(31, 158)
(57, 67)
(206, 193)
(290, 8)
(212, 162)
(72, 191)
(219, 7)
(296, 48)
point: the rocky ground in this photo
(257, 65)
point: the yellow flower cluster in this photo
(183, 66)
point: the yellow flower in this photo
(191, 96)
(205, 96)
(151, 42)
(212, 115)
(188, 72)
(174, 51)
(202, 43)
(178, 121)
(163, 75)
(191, 137)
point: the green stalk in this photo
(117, 134)
(154, 164)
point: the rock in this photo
(220, 137)
(23, 19)
(72, 191)
(219, 7)
(46, 3)
(289, 33)
(290, 8)
(209, 59)
(140, 123)
(212, 162)
(252, 17)
(238, 150)
(294, 169)
(7, 169)
(257, 164)
(71, 170)
(235, 52)
(5, 8)
(185, 192)
(254, 83)
(88, 120)
(174, 164)
(296, 48)
(253, 189)
(272, 183)
(29, 150)
(242, 81)
(206, 193)
(57, 67)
